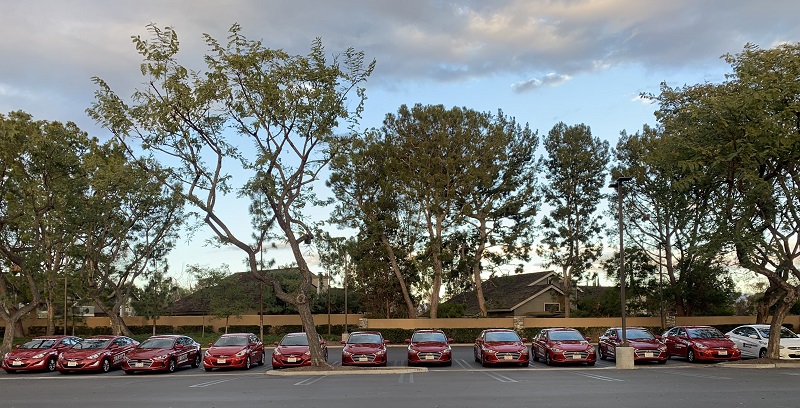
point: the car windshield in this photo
(428, 337)
(364, 338)
(502, 336)
(91, 344)
(638, 334)
(231, 341)
(39, 344)
(294, 341)
(157, 344)
(566, 335)
(785, 333)
(705, 333)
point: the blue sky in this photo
(542, 62)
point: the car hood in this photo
(504, 345)
(82, 353)
(789, 342)
(570, 345)
(148, 353)
(27, 353)
(225, 350)
(363, 348)
(644, 343)
(714, 342)
(429, 346)
(291, 349)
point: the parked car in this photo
(234, 350)
(293, 351)
(163, 353)
(429, 347)
(500, 346)
(562, 345)
(96, 353)
(364, 348)
(40, 353)
(700, 343)
(752, 340)
(646, 346)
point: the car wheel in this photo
(690, 356)
(247, 363)
(196, 362)
(762, 353)
(171, 366)
(600, 353)
(547, 358)
(263, 359)
(105, 366)
(326, 356)
(483, 360)
(475, 354)
(51, 365)
(534, 355)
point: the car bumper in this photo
(493, 360)
(155, 365)
(713, 355)
(81, 365)
(423, 358)
(574, 358)
(288, 361)
(24, 364)
(225, 362)
(378, 360)
(649, 355)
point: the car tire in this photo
(477, 359)
(534, 355)
(51, 365)
(197, 360)
(547, 358)
(762, 353)
(105, 366)
(483, 360)
(171, 366)
(247, 363)
(690, 356)
(600, 353)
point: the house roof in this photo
(506, 293)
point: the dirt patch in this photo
(752, 361)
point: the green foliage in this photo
(452, 310)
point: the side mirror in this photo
(276, 343)
(18, 346)
(588, 338)
(385, 341)
(342, 341)
(524, 339)
(658, 337)
(449, 340)
(408, 340)
(209, 344)
(178, 346)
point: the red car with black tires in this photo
(163, 353)
(40, 353)
(234, 350)
(96, 353)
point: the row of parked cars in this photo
(368, 348)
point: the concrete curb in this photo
(359, 371)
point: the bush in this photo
(195, 328)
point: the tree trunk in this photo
(51, 315)
(567, 291)
(771, 296)
(781, 310)
(412, 310)
(307, 320)
(476, 270)
(154, 326)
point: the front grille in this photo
(576, 355)
(140, 363)
(644, 353)
(508, 356)
(363, 358)
(429, 356)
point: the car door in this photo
(119, 348)
(537, 344)
(747, 339)
(184, 353)
(671, 340)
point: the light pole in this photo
(624, 353)
(661, 286)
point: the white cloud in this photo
(551, 79)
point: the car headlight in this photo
(490, 351)
(242, 353)
(6, 355)
(700, 346)
(663, 347)
(276, 352)
(556, 350)
(40, 355)
(307, 353)
(206, 354)
(346, 353)
(781, 347)
(447, 350)
(590, 349)
(412, 351)
(381, 352)
(93, 356)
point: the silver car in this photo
(752, 340)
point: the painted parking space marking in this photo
(463, 364)
(310, 380)
(686, 374)
(599, 377)
(410, 379)
(210, 383)
(500, 377)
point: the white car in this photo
(752, 341)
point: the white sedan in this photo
(752, 341)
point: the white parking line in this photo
(209, 383)
(599, 377)
(463, 364)
(310, 380)
(410, 378)
(500, 377)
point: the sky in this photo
(539, 61)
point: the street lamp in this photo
(624, 354)
(661, 286)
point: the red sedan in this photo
(96, 353)
(293, 351)
(562, 345)
(163, 353)
(500, 346)
(429, 347)
(700, 343)
(40, 353)
(234, 350)
(646, 347)
(364, 348)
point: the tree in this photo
(741, 137)
(41, 179)
(155, 298)
(272, 113)
(575, 170)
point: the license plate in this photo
(139, 365)
(649, 355)
(507, 357)
(428, 357)
(72, 364)
(362, 359)
(723, 352)
(292, 359)
(220, 361)
(576, 357)
(16, 363)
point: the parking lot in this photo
(464, 384)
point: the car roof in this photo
(561, 329)
(500, 330)
(237, 334)
(103, 337)
(427, 331)
(166, 336)
(55, 336)
(627, 328)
